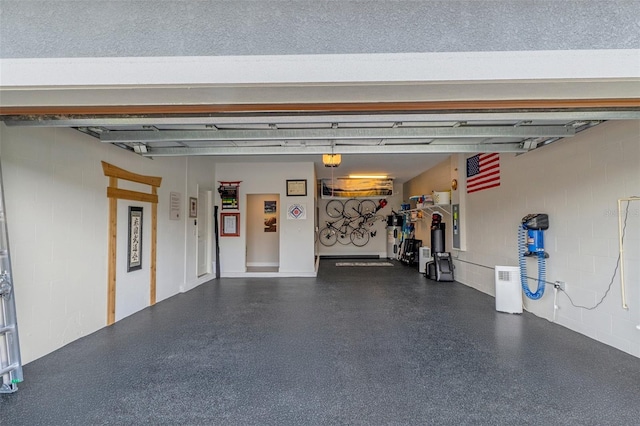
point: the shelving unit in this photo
(435, 208)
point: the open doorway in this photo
(263, 232)
(205, 225)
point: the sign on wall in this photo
(134, 258)
(174, 206)
(297, 211)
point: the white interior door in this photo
(204, 232)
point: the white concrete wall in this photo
(57, 213)
(296, 236)
(577, 182)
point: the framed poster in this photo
(230, 224)
(270, 216)
(174, 206)
(134, 251)
(296, 187)
(193, 207)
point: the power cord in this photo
(615, 271)
(492, 267)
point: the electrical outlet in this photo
(561, 285)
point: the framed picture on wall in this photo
(230, 224)
(296, 187)
(134, 246)
(193, 207)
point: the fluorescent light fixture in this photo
(139, 148)
(331, 160)
(368, 176)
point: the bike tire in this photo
(328, 237)
(351, 208)
(367, 207)
(334, 209)
(360, 237)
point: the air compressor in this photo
(531, 244)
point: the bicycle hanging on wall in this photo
(353, 221)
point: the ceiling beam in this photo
(232, 119)
(522, 105)
(341, 149)
(145, 136)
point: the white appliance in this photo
(393, 241)
(424, 255)
(508, 289)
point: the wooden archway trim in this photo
(114, 194)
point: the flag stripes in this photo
(483, 172)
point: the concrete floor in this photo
(356, 345)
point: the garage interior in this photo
(311, 342)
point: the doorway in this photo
(263, 233)
(205, 218)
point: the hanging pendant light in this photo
(331, 160)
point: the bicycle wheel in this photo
(334, 209)
(367, 207)
(351, 208)
(328, 237)
(360, 237)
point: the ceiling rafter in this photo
(130, 136)
(340, 149)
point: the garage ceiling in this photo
(401, 144)
(385, 113)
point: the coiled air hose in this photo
(542, 270)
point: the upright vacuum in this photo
(441, 267)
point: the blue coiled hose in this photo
(542, 269)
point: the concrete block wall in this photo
(577, 182)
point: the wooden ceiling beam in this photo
(345, 107)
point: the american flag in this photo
(483, 172)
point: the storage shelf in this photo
(435, 208)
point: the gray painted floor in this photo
(356, 345)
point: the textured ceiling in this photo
(140, 28)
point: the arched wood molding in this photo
(114, 194)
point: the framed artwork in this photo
(296, 187)
(134, 251)
(270, 216)
(193, 207)
(230, 224)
